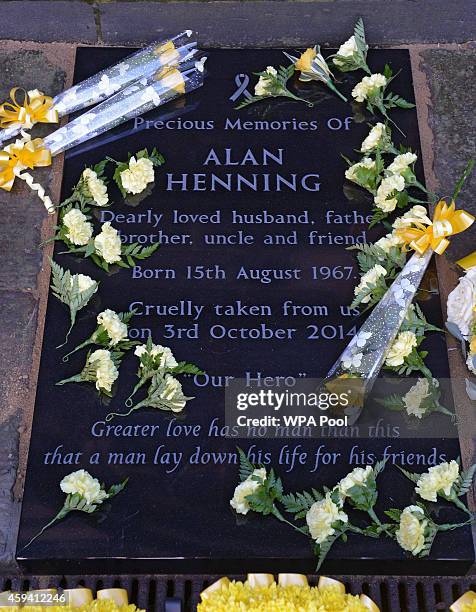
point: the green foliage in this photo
(263, 499)
(65, 287)
(117, 488)
(416, 322)
(246, 467)
(300, 503)
(465, 481)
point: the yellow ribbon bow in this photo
(446, 222)
(36, 108)
(20, 155)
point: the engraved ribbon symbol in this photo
(241, 81)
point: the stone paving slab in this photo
(20, 252)
(44, 21)
(269, 23)
(23, 281)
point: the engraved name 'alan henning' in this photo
(254, 181)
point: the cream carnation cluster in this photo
(413, 400)
(78, 228)
(105, 371)
(378, 138)
(84, 494)
(412, 530)
(82, 483)
(368, 280)
(369, 87)
(239, 503)
(386, 196)
(347, 51)
(95, 187)
(438, 480)
(322, 518)
(115, 328)
(358, 477)
(166, 357)
(402, 346)
(108, 244)
(265, 83)
(138, 175)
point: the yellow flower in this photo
(304, 62)
(239, 597)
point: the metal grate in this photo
(150, 592)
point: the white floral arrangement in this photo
(104, 249)
(326, 517)
(420, 401)
(74, 290)
(135, 174)
(90, 190)
(352, 55)
(461, 321)
(84, 493)
(273, 83)
(101, 368)
(111, 332)
(159, 368)
(386, 172)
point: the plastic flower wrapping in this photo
(102, 85)
(148, 93)
(151, 92)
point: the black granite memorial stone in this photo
(253, 219)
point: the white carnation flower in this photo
(352, 172)
(139, 174)
(401, 163)
(115, 328)
(402, 346)
(368, 87)
(374, 138)
(105, 369)
(416, 214)
(173, 394)
(414, 397)
(439, 478)
(96, 187)
(264, 82)
(411, 532)
(239, 502)
(470, 362)
(462, 301)
(82, 483)
(369, 278)
(385, 198)
(358, 476)
(321, 516)
(167, 359)
(389, 241)
(84, 282)
(79, 229)
(108, 243)
(347, 49)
